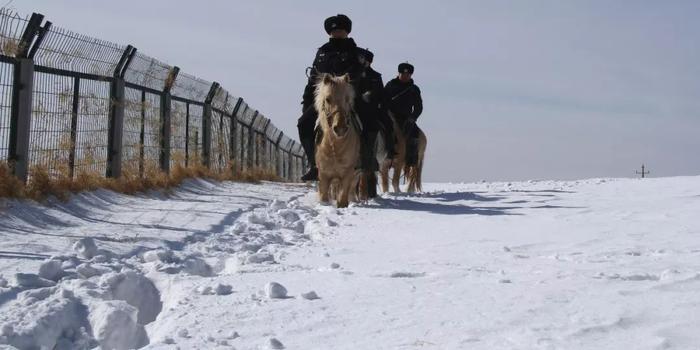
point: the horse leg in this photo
(384, 173)
(419, 175)
(355, 192)
(412, 179)
(362, 186)
(397, 177)
(345, 188)
(410, 176)
(324, 183)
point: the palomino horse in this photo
(338, 152)
(398, 163)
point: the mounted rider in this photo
(403, 100)
(372, 91)
(339, 56)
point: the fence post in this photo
(116, 115)
(21, 110)
(142, 136)
(232, 134)
(265, 162)
(165, 111)
(278, 167)
(206, 125)
(241, 146)
(187, 135)
(251, 140)
(289, 164)
(284, 164)
(74, 126)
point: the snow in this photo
(51, 270)
(275, 344)
(137, 290)
(274, 290)
(115, 326)
(223, 289)
(590, 264)
(86, 247)
(310, 295)
(30, 280)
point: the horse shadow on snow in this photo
(446, 203)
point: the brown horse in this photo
(338, 152)
(398, 163)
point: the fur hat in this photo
(337, 22)
(406, 68)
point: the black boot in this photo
(411, 151)
(368, 153)
(311, 175)
(309, 149)
(372, 185)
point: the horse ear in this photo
(327, 78)
(346, 77)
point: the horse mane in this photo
(338, 90)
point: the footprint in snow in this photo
(403, 274)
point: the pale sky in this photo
(513, 90)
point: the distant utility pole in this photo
(643, 173)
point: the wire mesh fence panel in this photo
(71, 102)
(247, 116)
(217, 143)
(64, 49)
(7, 71)
(11, 28)
(190, 87)
(194, 141)
(50, 140)
(231, 103)
(298, 150)
(178, 133)
(273, 133)
(131, 137)
(147, 71)
(271, 156)
(261, 150)
(226, 143)
(237, 136)
(260, 123)
(152, 131)
(244, 144)
(92, 127)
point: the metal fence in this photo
(74, 104)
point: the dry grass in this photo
(10, 186)
(42, 184)
(9, 47)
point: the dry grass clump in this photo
(10, 186)
(43, 184)
(9, 47)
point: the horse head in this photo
(334, 103)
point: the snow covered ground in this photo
(592, 264)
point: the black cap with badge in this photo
(337, 22)
(406, 68)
